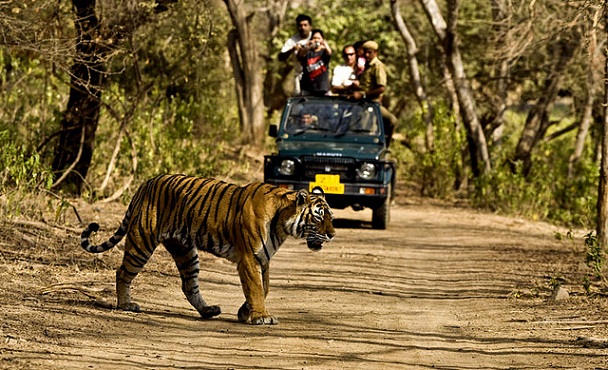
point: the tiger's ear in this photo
(317, 190)
(302, 197)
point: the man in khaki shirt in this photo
(372, 84)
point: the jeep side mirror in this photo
(272, 131)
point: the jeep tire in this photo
(382, 214)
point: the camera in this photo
(315, 45)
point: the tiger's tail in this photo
(110, 243)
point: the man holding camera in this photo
(294, 44)
(314, 59)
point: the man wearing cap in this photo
(372, 84)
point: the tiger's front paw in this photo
(264, 320)
(130, 306)
(245, 316)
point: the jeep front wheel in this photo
(382, 215)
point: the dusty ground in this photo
(444, 287)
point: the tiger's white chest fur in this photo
(266, 252)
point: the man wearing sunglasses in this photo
(344, 74)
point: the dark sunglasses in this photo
(348, 54)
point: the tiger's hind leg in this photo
(137, 254)
(187, 261)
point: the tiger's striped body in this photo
(244, 224)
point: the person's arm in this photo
(283, 56)
(371, 94)
(327, 48)
(380, 83)
(302, 51)
(338, 89)
(289, 47)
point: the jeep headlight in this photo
(367, 171)
(287, 167)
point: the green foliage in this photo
(373, 21)
(439, 172)
(594, 256)
(510, 193)
(559, 236)
(171, 85)
(22, 175)
(21, 169)
(546, 194)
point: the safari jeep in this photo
(338, 145)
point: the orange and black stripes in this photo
(202, 213)
(187, 214)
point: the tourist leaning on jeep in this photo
(372, 84)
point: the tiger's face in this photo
(317, 219)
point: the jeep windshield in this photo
(331, 117)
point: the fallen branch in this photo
(89, 292)
(63, 200)
(43, 226)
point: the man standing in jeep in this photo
(294, 44)
(372, 84)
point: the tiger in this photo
(243, 224)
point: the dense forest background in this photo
(499, 102)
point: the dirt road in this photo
(443, 287)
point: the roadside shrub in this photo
(594, 256)
(165, 136)
(547, 193)
(22, 175)
(439, 173)
(20, 169)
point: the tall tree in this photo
(412, 50)
(74, 149)
(593, 54)
(537, 121)
(448, 40)
(500, 17)
(602, 199)
(95, 43)
(248, 66)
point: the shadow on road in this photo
(348, 223)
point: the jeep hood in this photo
(331, 149)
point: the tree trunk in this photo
(500, 15)
(276, 74)
(239, 78)
(412, 50)
(583, 130)
(592, 77)
(247, 69)
(480, 158)
(602, 198)
(82, 112)
(537, 121)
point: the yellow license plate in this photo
(329, 183)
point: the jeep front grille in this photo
(345, 167)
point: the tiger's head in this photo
(314, 218)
